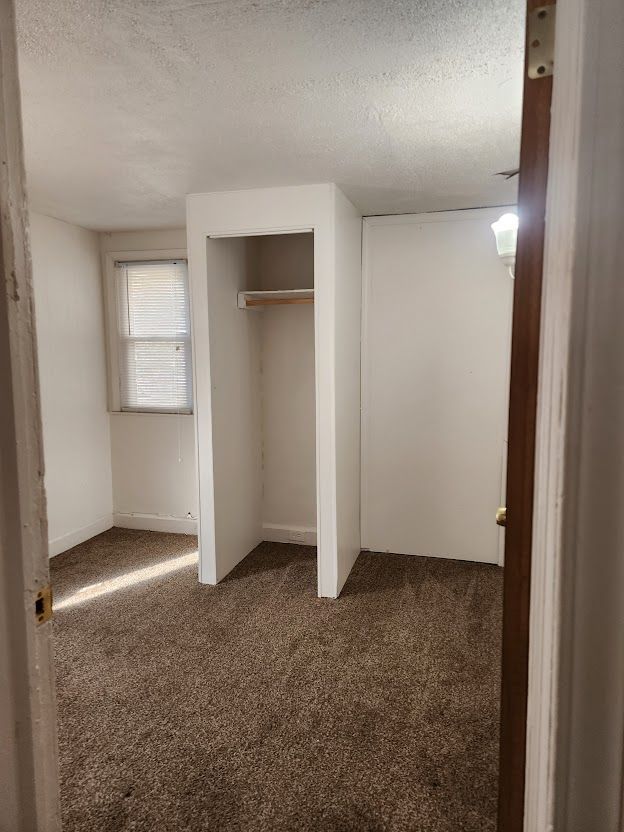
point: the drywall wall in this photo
(153, 454)
(252, 212)
(72, 370)
(153, 463)
(437, 322)
(287, 388)
(348, 316)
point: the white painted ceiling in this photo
(409, 105)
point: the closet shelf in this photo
(281, 297)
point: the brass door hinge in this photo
(541, 41)
(43, 605)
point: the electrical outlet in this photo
(296, 537)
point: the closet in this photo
(275, 278)
(262, 317)
(281, 306)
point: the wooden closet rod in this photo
(276, 301)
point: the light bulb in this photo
(506, 234)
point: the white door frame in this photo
(575, 724)
(206, 522)
(28, 753)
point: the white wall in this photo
(153, 454)
(154, 479)
(347, 356)
(437, 322)
(72, 370)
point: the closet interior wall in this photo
(287, 388)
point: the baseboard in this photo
(68, 541)
(156, 523)
(303, 535)
(397, 551)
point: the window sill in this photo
(150, 413)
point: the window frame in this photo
(111, 322)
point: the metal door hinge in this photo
(43, 605)
(541, 41)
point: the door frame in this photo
(209, 572)
(575, 718)
(522, 428)
(29, 797)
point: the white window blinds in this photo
(154, 336)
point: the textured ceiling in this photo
(409, 105)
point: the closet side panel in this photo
(348, 297)
(236, 412)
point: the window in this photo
(154, 336)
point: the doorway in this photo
(523, 596)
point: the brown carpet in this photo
(256, 706)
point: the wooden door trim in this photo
(575, 768)
(521, 453)
(553, 423)
(29, 798)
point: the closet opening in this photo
(262, 364)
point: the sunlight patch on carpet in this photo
(138, 576)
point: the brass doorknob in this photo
(501, 516)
